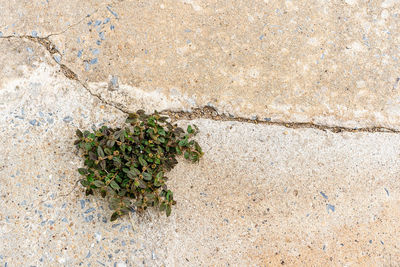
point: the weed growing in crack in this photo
(129, 164)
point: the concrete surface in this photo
(263, 195)
(331, 62)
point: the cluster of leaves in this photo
(129, 164)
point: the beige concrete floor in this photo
(264, 194)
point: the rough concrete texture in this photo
(263, 195)
(331, 62)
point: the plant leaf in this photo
(142, 161)
(79, 133)
(114, 216)
(83, 171)
(114, 185)
(168, 210)
(99, 183)
(100, 152)
(147, 176)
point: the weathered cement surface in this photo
(331, 62)
(262, 195)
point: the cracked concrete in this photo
(298, 117)
(319, 63)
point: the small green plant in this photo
(129, 164)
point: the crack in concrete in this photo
(51, 48)
(205, 112)
(212, 114)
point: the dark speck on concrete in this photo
(267, 119)
(112, 12)
(93, 61)
(387, 191)
(323, 195)
(82, 204)
(102, 35)
(33, 122)
(89, 218)
(68, 119)
(89, 210)
(330, 207)
(106, 20)
(88, 255)
(115, 225)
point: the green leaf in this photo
(169, 195)
(122, 136)
(162, 206)
(168, 210)
(98, 183)
(100, 152)
(114, 185)
(183, 142)
(161, 131)
(161, 139)
(103, 164)
(159, 175)
(79, 133)
(189, 129)
(107, 151)
(84, 182)
(131, 175)
(147, 176)
(135, 171)
(142, 161)
(142, 184)
(88, 146)
(92, 155)
(157, 182)
(186, 155)
(122, 193)
(114, 216)
(83, 171)
(110, 143)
